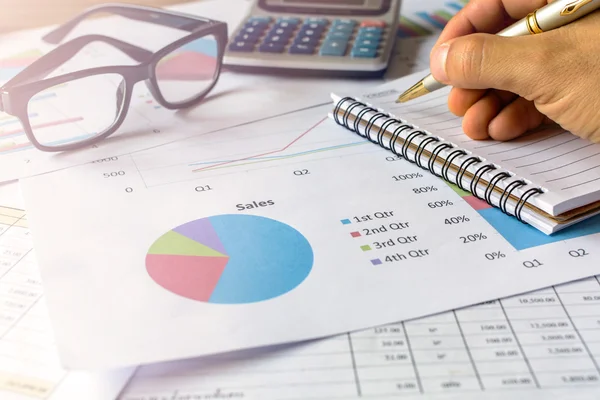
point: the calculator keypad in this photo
(311, 36)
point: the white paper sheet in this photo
(539, 345)
(29, 366)
(10, 195)
(370, 239)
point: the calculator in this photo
(315, 37)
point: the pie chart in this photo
(230, 259)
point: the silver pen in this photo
(552, 16)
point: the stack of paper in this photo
(261, 251)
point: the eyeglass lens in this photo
(188, 71)
(77, 110)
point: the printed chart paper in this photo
(29, 364)
(289, 229)
(59, 115)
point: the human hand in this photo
(505, 86)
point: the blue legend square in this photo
(346, 221)
(376, 261)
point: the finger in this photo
(487, 16)
(479, 115)
(460, 100)
(515, 119)
(483, 61)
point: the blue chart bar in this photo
(431, 19)
(523, 236)
(456, 6)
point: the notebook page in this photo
(528, 346)
(29, 366)
(567, 167)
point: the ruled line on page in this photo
(566, 165)
(555, 157)
(539, 151)
(527, 145)
(576, 173)
(582, 183)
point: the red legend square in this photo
(355, 234)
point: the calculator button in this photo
(260, 18)
(307, 40)
(313, 26)
(334, 48)
(252, 31)
(302, 49)
(365, 52)
(288, 20)
(276, 39)
(370, 29)
(345, 22)
(341, 28)
(368, 35)
(287, 33)
(246, 37)
(375, 22)
(256, 25)
(285, 25)
(241, 46)
(319, 21)
(271, 48)
(310, 33)
(370, 43)
(339, 35)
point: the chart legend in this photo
(230, 259)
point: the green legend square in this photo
(366, 247)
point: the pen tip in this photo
(417, 90)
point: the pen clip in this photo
(573, 7)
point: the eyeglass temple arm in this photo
(138, 13)
(54, 59)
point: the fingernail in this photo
(438, 63)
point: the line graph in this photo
(302, 137)
(287, 146)
(258, 159)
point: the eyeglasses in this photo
(91, 104)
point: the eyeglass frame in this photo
(16, 94)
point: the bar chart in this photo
(427, 22)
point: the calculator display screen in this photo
(327, 7)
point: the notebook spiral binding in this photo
(412, 134)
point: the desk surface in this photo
(22, 14)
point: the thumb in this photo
(485, 61)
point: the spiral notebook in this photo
(548, 178)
